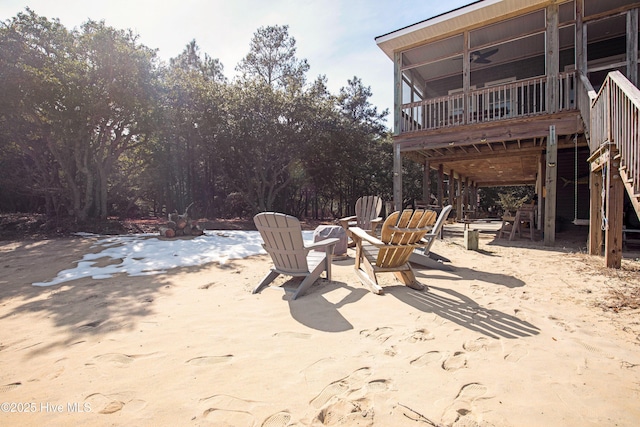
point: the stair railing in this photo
(615, 119)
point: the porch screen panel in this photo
(566, 12)
(432, 51)
(567, 41)
(596, 7)
(431, 70)
(509, 79)
(606, 47)
(507, 29)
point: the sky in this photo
(146, 254)
(336, 37)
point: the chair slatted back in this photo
(367, 209)
(401, 231)
(282, 236)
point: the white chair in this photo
(419, 256)
(282, 236)
(367, 215)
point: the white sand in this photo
(513, 335)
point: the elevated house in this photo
(515, 92)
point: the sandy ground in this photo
(514, 334)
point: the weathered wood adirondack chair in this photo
(282, 236)
(401, 233)
(367, 215)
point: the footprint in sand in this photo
(378, 386)
(209, 360)
(288, 334)
(478, 344)
(420, 335)
(562, 324)
(110, 404)
(428, 358)
(593, 349)
(457, 361)
(225, 410)
(353, 381)
(30, 346)
(333, 389)
(379, 334)
(117, 359)
(516, 354)
(229, 417)
(472, 391)
(58, 368)
(347, 412)
(391, 351)
(459, 413)
(281, 419)
(122, 360)
(112, 407)
(207, 285)
(91, 326)
(8, 387)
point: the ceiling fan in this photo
(482, 57)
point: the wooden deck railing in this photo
(518, 99)
(615, 119)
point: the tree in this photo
(90, 123)
(79, 101)
(185, 158)
(265, 118)
(36, 58)
(272, 58)
(366, 143)
(354, 104)
(209, 68)
(119, 96)
(262, 149)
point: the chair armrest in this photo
(344, 222)
(322, 243)
(361, 234)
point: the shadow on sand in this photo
(464, 311)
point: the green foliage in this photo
(506, 198)
(272, 59)
(83, 99)
(91, 125)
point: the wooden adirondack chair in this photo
(367, 215)
(282, 236)
(402, 232)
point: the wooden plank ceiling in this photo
(498, 153)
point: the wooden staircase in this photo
(614, 141)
